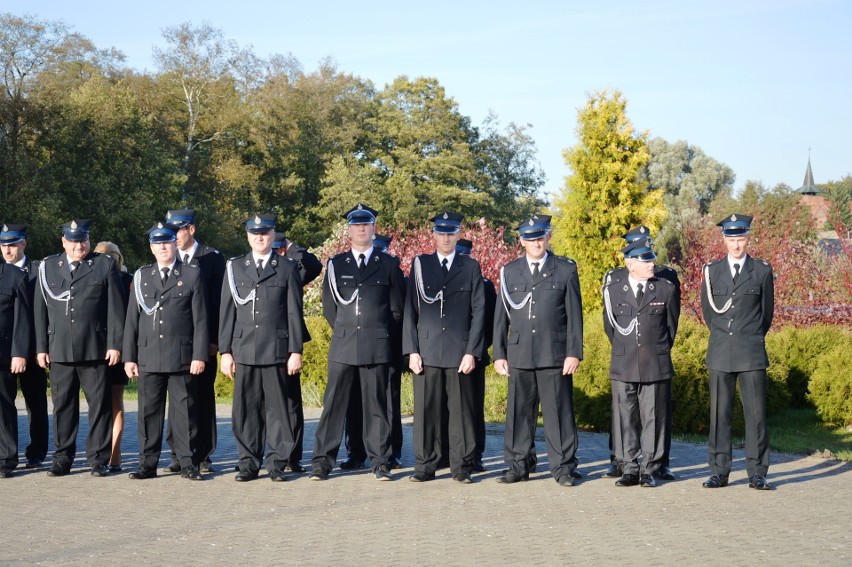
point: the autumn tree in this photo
(603, 197)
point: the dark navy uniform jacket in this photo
(91, 321)
(174, 334)
(16, 316)
(362, 330)
(265, 331)
(644, 355)
(737, 336)
(549, 327)
(443, 337)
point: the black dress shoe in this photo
(114, 468)
(277, 476)
(245, 476)
(463, 478)
(628, 479)
(614, 471)
(716, 481)
(575, 474)
(100, 470)
(174, 467)
(533, 462)
(5, 472)
(319, 473)
(647, 481)
(511, 478)
(478, 467)
(394, 464)
(205, 466)
(759, 482)
(422, 477)
(665, 473)
(33, 464)
(142, 473)
(351, 465)
(566, 480)
(191, 472)
(382, 473)
(295, 467)
(57, 470)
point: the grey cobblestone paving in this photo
(352, 519)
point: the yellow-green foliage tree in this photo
(603, 197)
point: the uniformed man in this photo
(641, 313)
(664, 472)
(212, 265)
(79, 320)
(443, 334)
(309, 268)
(363, 301)
(738, 302)
(33, 381)
(464, 247)
(261, 338)
(538, 344)
(354, 439)
(166, 347)
(16, 346)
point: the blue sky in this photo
(753, 83)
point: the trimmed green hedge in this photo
(830, 387)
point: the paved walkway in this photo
(352, 519)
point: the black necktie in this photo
(74, 265)
(362, 262)
(640, 294)
(536, 271)
(165, 275)
(444, 267)
(186, 258)
(736, 272)
(259, 267)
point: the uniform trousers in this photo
(435, 390)
(66, 379)
(556, 392)
(262, 417)
(205, 443)
(294, 402)
(639, 424)
(374, 380)
(182, 389)
(34, 389)
(354, 428)
(477, 380)
(753, 394)
(8, 419)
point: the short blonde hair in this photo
(110, 249)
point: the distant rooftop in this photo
(809, 187)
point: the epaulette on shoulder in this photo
(234, 258)
(669, 282)
(564, 259)
(184, 266)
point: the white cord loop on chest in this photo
(608, 308)
(46, 291)
(421, 289)
(507, 300)
(332, 284)
(140, 299)
(232, 284)
(710, 294)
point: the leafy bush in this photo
(830, 388)
(800, 349)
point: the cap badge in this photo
(168, 215)
(531, 222)
(360, 207)
(159, 225)
(73, 225)
(642, 230)
(5, 228)
(257, 220)
(734, 218)
(446, 216)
